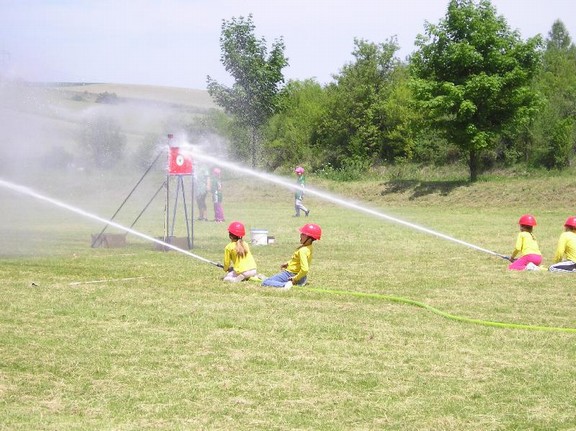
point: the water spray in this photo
(29, 192)
(340, 201)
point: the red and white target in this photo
(179, 162)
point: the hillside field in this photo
(36, 119)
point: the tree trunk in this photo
(474, 165)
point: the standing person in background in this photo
(295, 271)
(526, 247)
(239, 263)
(565, 257)
(216, 191)
(299, 194)
(202, 178)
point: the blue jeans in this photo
(280, 279)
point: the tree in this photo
(472, 77)
(215, 129)
(559, 38)
(554, 131)
(290, 133)
(253, 98)
(360, 124)
(558, 77)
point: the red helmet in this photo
(237, 228)
(312, 230)
(299, 170)
(527, 220)
(570, 222)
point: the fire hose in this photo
(443, 313)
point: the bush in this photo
(104, 142)
(109, 98)
(351, 170)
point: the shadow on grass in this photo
(422, 188)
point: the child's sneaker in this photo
(532, 267)
(287, 286)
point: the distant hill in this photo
(141, 93)
(35, 118)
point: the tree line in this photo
(473, 92)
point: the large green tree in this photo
(258, 78)
(290, 134)
(360, 125)
(472, 76)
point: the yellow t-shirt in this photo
(240, 264)
(300, 262)
(566, 247)
(525, 244)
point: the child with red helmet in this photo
(239, 263)
(295, 271)
(565, 257)
(526, 247)
(299, 193)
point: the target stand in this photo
(180, 173)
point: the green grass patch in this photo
(133, 338)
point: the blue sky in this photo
(176, 42)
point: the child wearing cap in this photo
(295, 271)
(239, 263)
(299, 193)
(565, 257)
(526, 247)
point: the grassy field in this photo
(133, 338)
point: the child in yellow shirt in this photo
(295, 271)
(239, 264)
(565, 257)
(526, 247)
